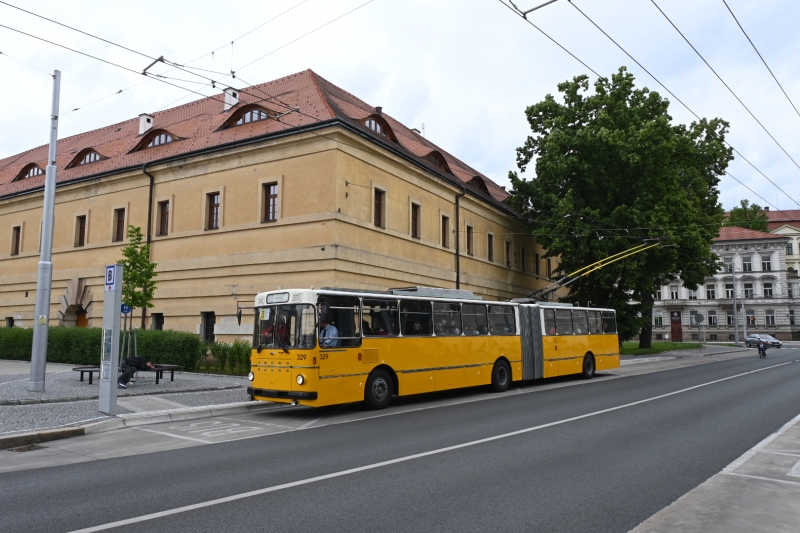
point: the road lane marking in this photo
(796, 483)
(761, 445)
(795, 471)
(341, 473)
(174, 436)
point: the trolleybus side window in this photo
(415, 318)
(343, 314)
(564, 321)
(382, 318)
(609, 322)
(446, 318)
(549, 322)
(501, 320)
(580, 320)
(595, 323)
(475, 321)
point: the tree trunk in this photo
(646, 335)
(144, 316)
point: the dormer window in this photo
(375, 126)
(85, 157)
(29, 171)
(436, 159)
(254, 115)
(159, 139)
(479, 184)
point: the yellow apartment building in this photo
(292, 183)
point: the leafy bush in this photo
(232, 359)
(81, 346)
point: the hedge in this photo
(81, 346)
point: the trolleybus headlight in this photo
(251, 376)
(301, 379)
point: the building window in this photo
(789, 248)
(731, 317)
(375, 126)
(80, 231)
(712, 337)
(658, 319)
(380, 206)
(549, 267)
(748, 290)
(712, 318)
(158, 321)
(254, 115)
(270, 202)
(731, 337)
(711, 292)
(212, 217)
(90, 157)
(693, 318)
(657, 295)
(119, 225)
(208, 320)
(163, 218)
(791, 317)
(522, 259)
(728, 264)
(659, 336)
(750, 316)
(490, 247)
(536, 260)
(415, 221)
(29, 171)
(16, 234)
(673, 293)
(766, 263)
(747, 264)
(692, 295)
(445, 231)
(9, 322)
(695, 336)
(729, 290)
(769, 317)
(767, 290)
(470, 243)
(508, 254)
(159, 139)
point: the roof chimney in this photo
(145, 123)
(379, 110)
(415, 130)
(766, 208)
(231, 98)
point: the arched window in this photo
(159, 139)
(90, 157)
(436, 159)
(479, 184)
(29, 171)
(253, 115)
(375, 126)
(378, 125)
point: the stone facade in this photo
(319, 197)
(754, 266)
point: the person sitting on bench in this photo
(130, 366)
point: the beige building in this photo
(293, 183)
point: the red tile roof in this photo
(198, 123)
(780, 218)
(733, 233)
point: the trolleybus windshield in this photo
(285, 326)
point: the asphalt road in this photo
(602, 456)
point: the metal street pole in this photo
(44, 276)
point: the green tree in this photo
(612, 170)
(747, 215)
(138, 285)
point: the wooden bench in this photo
(159, 370)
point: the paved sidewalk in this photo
(709, 349)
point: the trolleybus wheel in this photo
(379, 391)
(501, 376)
(588, 367)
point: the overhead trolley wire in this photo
(761, 57)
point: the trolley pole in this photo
(44, 275)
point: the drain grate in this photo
(28, 448)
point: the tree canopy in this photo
(612, 171)
(747, 215)
(138, 285)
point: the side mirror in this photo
(239, 316)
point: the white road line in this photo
(275, 488)
(174, 436)
(796, 483)
(758, 447)
(795, 471)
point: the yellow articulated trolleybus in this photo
(333, 346)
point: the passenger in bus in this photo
(328, 334)
(366, 328)
(454, 329)
(551, 330)
(441, 327)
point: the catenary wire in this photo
(726, 85)
(49, 74)
(761, 57)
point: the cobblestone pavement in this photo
(67, 401)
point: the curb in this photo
(34, 401)
(133, 420)
(674, 355)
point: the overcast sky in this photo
(466, 69)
